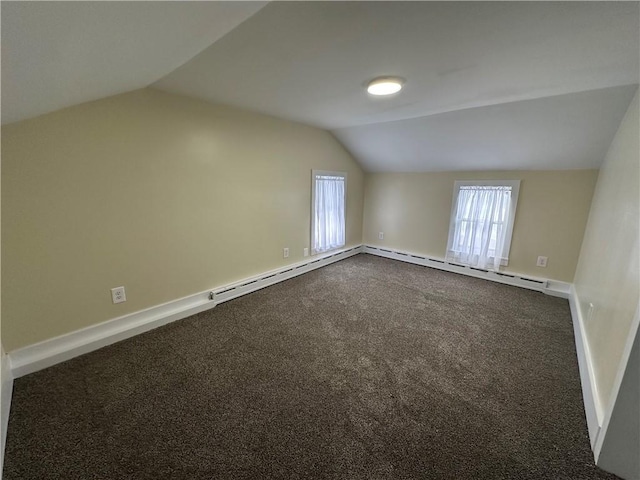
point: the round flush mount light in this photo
(385, 85)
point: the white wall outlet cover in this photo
(285, 253)
(118, 295)
(381, 236)
(306, 252)
(542, 262)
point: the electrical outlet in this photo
(380, 235)
(542, 262)
(285, 252)
(305, 252)
(118, 295)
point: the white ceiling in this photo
(562, 132)
(309, 61)
(491, 65)
(58, 54)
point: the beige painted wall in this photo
(608, 273)
(413, 210)
(165, 195)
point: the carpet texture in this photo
(366, 369)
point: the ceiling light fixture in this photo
(385, 85)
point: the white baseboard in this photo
(6, 389)
(49, 352)
(550, 287)
(592, 407)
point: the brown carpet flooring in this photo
(365, 369)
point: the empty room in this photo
(320, 240)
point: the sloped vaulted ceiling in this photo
(490, 85)
(58, 54)
(560, 132)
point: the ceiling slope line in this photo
(473, 106)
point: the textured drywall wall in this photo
(608, 273)
(163, 194)
(414, 209)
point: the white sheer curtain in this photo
(479, 229)
(328, 211)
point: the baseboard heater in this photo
(532, 283)
(44, 354)
(230, 292)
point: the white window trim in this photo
(314, 173)
(515, 191)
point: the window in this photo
(481, 225)
(328, 210)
